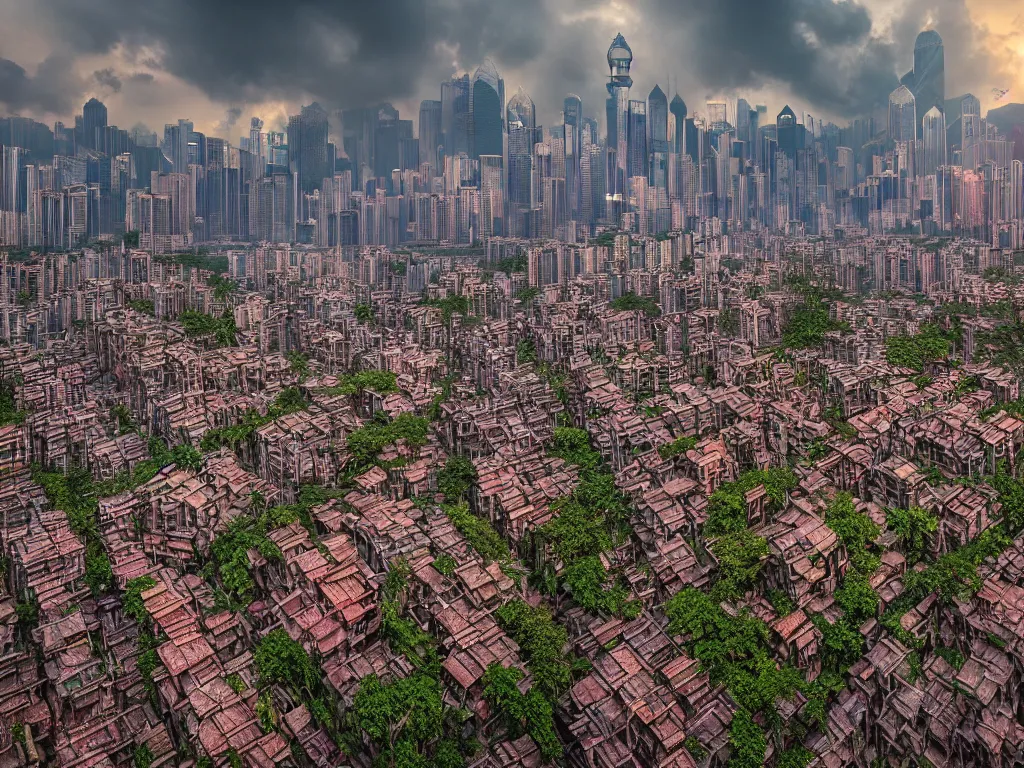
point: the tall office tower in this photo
(492, 195)
(1017, 190)
(785, 126)
(176, 139)
(179, 188)
(11, 159)
(307, 147)
(743, 121)
(455, 115)
(620, 57)
(902, 115)
(657, 133)
(488, 124)
(431, 146)
(215, 215)
(257, 147)
(572, 124)
(970, 131)
(678, 110)
(522, 132)
(386, 135)
(94, 121)
(929, 76)
(638, 159)
(933, 141)
(272, 214)
(592, 170)
(845, 168)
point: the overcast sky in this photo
(218, 63)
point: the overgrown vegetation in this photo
(727, 506)
(528, 712)
(630, 302)
(478, 533)
(588, 522)
(456, 478)
(145, 306)
(9, 413)
(449, 306)
(912, 527)
(75, 495)
(230, 549)
(354, 384)
(288, 401)
(807, 326)
(915, 352)
(220, 330)
(678, 446)
(542, 644)
(366, 443)
(283, 662)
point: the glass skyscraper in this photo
(488, 98)
(929, 86)
(902, 115)
(657, 128)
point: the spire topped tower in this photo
(620, 58)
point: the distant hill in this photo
(1006, 117)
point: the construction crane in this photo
(1000, 93)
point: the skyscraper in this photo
(657, 131)
(455, 115)
(638, 164)
(521, 138)
(307, 147)
(572, 119)
(785, 125)
(94, 121)
(929, 79)
(488, 96)
(933, 128)
(678, 110)
(430, 135)
(902, 115)
(970, 131)
(620, 57)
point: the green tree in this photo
(912, 527)
(530, 711)
(298, 364)
(456, 478)
(364, 314)
(282, 661)
(857, 598)
(187, 457)
(747, 741)
(131, 601)
(573, 445)
(855, 530)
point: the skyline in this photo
(155, 70)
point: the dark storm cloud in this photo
(51, 90)
(346, 53)
(108, 78)
(340, 52)
(821, 50)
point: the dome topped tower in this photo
(620, 57)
